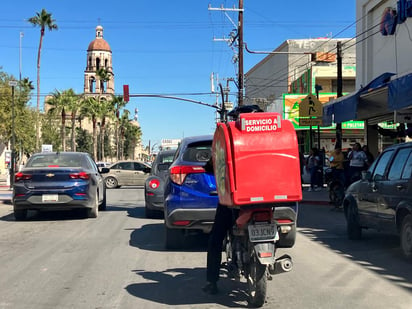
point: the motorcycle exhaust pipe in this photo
(282, 264)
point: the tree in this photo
(49, 134)
(43, 20)
(74, 106)
(59, 103)
(84, 141)
(91, 109)
(119, 104)
(103, 76)
(24, 116)
(106, 110)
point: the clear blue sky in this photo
(160, 47)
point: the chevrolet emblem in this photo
(50, 175)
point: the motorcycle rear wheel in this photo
(256, 281)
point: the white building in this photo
(384, 69)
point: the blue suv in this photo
(190, 194)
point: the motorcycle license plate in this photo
(262, 232)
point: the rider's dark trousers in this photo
(222, 223)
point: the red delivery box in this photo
(256, 160)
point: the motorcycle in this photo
(336, 188)
(251, 245)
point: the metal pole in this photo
(339, 90)
(240, 33)
(12, 158)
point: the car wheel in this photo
(406, 236)
(353, 227)
(111, 182)
(94, 211)
(288, 240)
(174, 238)
(20, 214)
(103, 205)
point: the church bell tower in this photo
(98, 76)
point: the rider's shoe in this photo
(210, 288)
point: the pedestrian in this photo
(357, 161)
(313, 165)
(337, 160)
(369, 156)
(302, 165)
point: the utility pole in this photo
(339, 90)
(239, 38)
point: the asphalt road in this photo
(61, 260)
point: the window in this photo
(139, 167)
(379, 172)
(398, 164)
(198, 154)
(407, 171)
(127, 166)
(123, 166)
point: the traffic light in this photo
(126, 93)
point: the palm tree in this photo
(106, 110)
(43, 20)
(91, 109)
(103, 76)
(74, 105)
(123, 124)
(60, 102)
(119, 104)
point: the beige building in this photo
(297, 68)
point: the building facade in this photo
(384, 73)
(295, 69)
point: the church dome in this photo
(99, 43)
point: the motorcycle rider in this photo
(224, 220)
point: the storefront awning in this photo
(347, 107)
(400, 92)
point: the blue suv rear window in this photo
(198, 152)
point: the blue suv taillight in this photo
(178, 173)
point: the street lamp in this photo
(12, 84)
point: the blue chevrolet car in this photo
(190, 193)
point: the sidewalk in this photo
(315, 197)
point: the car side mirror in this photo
(366, 175)
(104, 170)
(147, 169)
